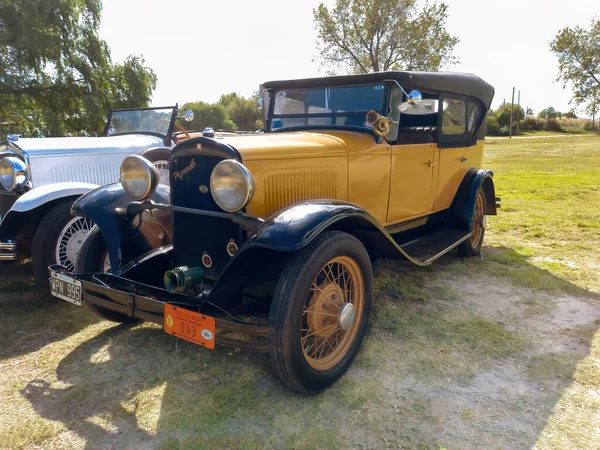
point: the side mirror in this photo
(188, 116)
(414, 98)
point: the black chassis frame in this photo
(117, 216)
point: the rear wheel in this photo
(57, 240)
(320, 311)
(93, 258)
(472, 246)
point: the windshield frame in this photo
(166, 137)
(271, 108)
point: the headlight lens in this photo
(13, 173)
(232, 185)
(139, 177)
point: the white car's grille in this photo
(100, 174)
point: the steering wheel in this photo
(168, 122)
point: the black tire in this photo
(161, 156)
(47, 236)
(287, 311)
(472, 246)
(91, 260)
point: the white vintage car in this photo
(40, 178)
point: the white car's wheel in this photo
(160, 158)
(57, 240)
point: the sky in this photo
(201, 49)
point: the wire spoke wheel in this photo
(478, 220)
(70, 241)
(163, 170)
(332, 312)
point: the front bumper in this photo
(8, 251)
(148, 303)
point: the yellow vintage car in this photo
(264, 241)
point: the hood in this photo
(304, 143)
(54, 146)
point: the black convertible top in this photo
(459, 83)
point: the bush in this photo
(554, 125)
(492, 125)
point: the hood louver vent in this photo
(288, 188)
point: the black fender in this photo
(126, 237)
(464, 200)
(295, 227)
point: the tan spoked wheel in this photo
(478, 219)
(320, 311)
(472, 246)
(329, 320)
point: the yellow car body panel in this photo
(394, 183)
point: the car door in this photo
(412, 181)
(454, 138)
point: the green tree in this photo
(243, 111)
(549, 114)
(360, 36)
(56, 75)
(207, 115)
(503, 115)
(578, 52)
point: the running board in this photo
(428, 248)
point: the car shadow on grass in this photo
(33, 318)
(434, 370)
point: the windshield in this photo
(330, 107)
(146, 120)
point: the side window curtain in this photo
(454, 117)
(473, 118)
(460, 120)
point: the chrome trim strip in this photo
(10, 246)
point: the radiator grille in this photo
(288, 188)
(101, 174)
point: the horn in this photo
(381, 125)
(372, 116)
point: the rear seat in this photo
(420, 129)
(413, 138)
(416, 135)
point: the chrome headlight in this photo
(139, 177)
(232, 185)
(13, 173)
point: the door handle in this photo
(463, 159)
(431, 163)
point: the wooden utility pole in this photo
(518, 111)
(512, 105)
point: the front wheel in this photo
(320, 311)
(472, 246)
(57, 240)
(93, 258)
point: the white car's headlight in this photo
(13, 173)
(139, 177)
(232, 185)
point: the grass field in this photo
(498, 352)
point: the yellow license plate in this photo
(191, 326)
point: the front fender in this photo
(107, 208)
(37, 202)
(48, 193)
(294, 228)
